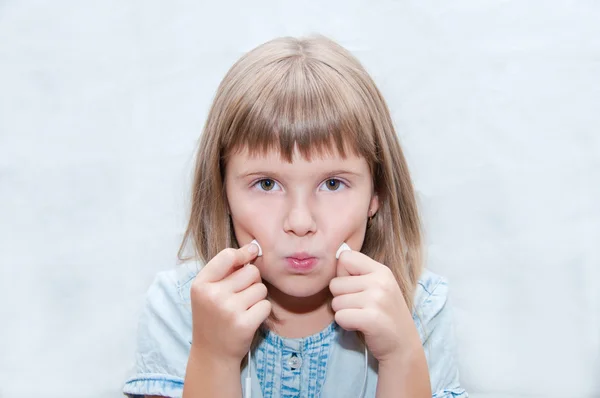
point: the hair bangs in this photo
(303, 103)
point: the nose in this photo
(300, 220)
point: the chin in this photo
(301, 286)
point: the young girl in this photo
(305, 222)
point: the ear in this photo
(374, 204)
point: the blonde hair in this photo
(309, 92)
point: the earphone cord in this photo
(248, 389)
(363, 390)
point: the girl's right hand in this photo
(228, 304)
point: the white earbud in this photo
(259, 248)
(342, 248)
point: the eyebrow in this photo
(279, 176)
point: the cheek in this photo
(348, 226)
(253, 220)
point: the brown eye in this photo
(266, 184)
(333, 184)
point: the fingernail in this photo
(342, 248)
(255, 247)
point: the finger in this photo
(242, 278)
(349, 301)
(355, 263)
(252, 295)
(354, 319)
(256, 314)
(226, 260)
(347, 284)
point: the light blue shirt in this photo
(329, 364)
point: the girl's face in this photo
(300, 213)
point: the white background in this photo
(497, 104)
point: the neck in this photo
(300, 316)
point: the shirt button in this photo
(295, 362)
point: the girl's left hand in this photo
(367, 298)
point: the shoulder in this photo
(430, 301)
(172, 288)
(433, 317)
(164, 334)
(167, 300)
(431, 289)
(167, 303)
